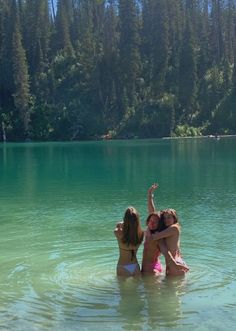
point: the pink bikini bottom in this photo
(157, 266)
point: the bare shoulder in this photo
(175, 228)
(118, 230)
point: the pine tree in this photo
(21, 78)
(109, 64)
(217, 41)
(187, 74)
(234, 68)
(6, 53)
(230, 26)
(145, 39)
(175, 23)
(36, 36)
(234, 80)
(203, 41)
(127, 65)
(129, 49)
(159, 46)
(63, 25)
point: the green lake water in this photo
(59, 203)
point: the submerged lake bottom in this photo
(59, 205)
(79, 294)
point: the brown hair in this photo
(158, 215)
(132, 230)
(171, 212)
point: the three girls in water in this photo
(130, 235)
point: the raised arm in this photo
(150, 198)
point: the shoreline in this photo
(218, 137)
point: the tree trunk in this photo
(53, 10)
(4, 138)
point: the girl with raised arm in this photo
(153, 248)
(168, 237)
(129, 235)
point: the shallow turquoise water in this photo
(59, 204)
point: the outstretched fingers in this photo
(153, 188)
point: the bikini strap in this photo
(133, 252)
(133, 255)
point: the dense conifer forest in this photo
(83, 69)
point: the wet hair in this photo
(132, 230)
(158, 215)
(171, 212)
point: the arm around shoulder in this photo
(170, 231)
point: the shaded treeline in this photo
(146, 68)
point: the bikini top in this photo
(133, 252)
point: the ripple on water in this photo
(79, 284)
(89, 291)
(86, 279)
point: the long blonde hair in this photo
(132, 230)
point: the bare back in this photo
(127, 252)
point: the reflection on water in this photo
(164, 301)
(131, 303)
(150, 302)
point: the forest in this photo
(92, 69)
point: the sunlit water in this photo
(58, 206)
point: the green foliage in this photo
(224, 116)
(148, 120)
(187, 131)
(137, 68)
(159, 45)
(129, 50)
(188, 74)
(215, 87)
(21, 93)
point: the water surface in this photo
(59, 204)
